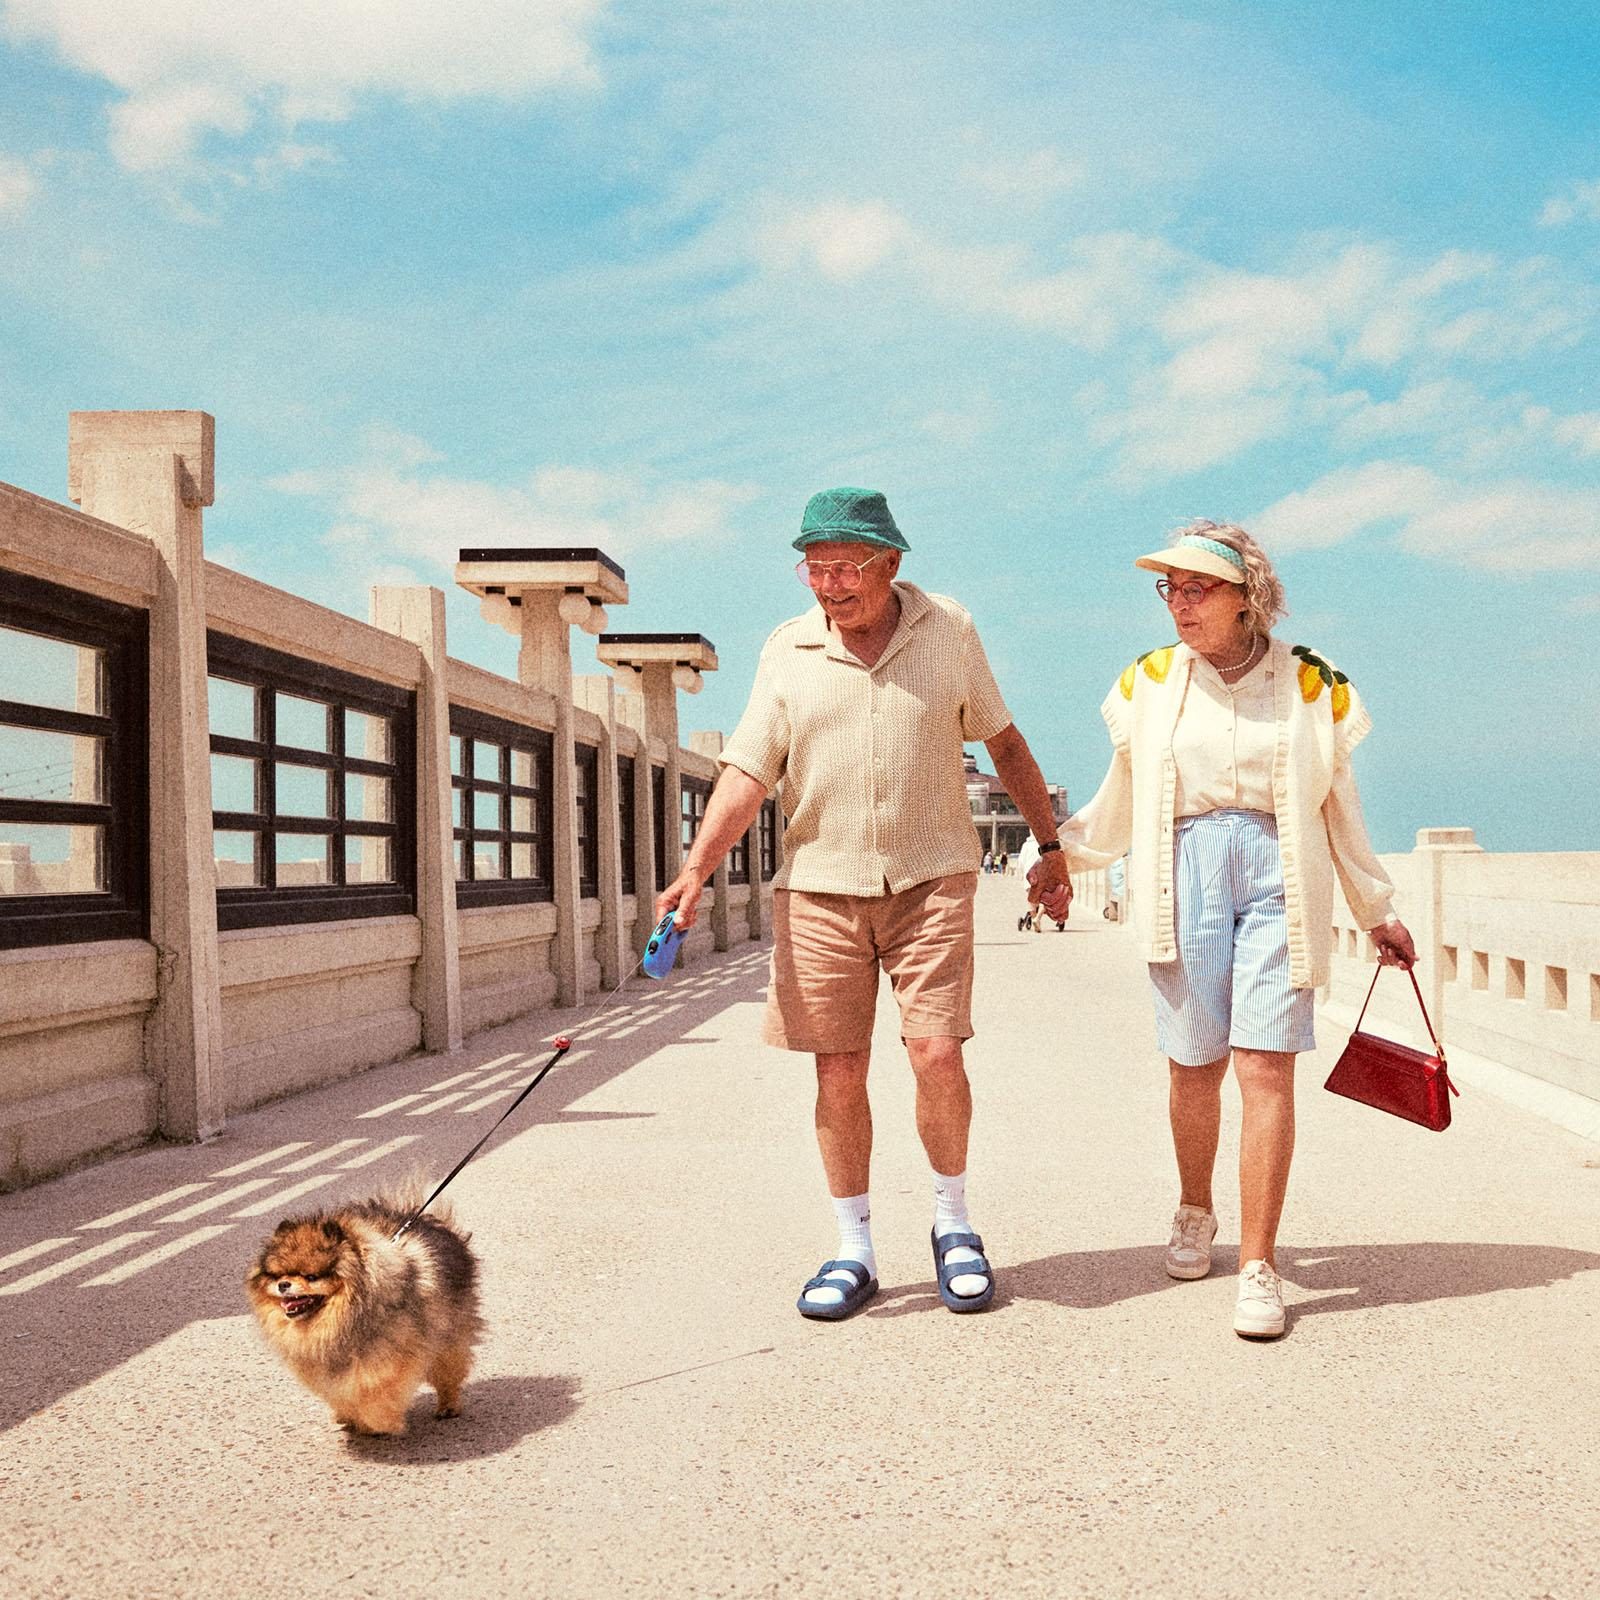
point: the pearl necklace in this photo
(1246, 659)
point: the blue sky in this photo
(1055, 278)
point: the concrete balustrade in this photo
(105, 1043)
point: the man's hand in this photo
(1395, 948)
(1050, 885)
(682, 895)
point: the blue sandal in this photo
(956, 1269)
(855, 1296)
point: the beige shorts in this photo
(827, 949)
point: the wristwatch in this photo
(1045, 849)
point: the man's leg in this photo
(944, 1117)
(844, 1137)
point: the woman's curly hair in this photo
(1263, 590)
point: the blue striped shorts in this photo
(1229, 987)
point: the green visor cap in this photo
(850, 516)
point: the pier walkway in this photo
(650, 1416)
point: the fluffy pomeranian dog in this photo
(362, 1319)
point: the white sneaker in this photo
(1189, 1248)
(1259, 1313)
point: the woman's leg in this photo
(1194, 1103)
(1266, 1147)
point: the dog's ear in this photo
(332, 1232)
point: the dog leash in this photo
(657, 949)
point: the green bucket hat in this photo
(850, 516)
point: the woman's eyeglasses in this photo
(845, 574)
(1190, 593)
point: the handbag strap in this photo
(1410, 972)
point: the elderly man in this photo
(861, 708)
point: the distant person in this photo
(1231, 778)
(880, 863)
(988, 862)
(1005, 858)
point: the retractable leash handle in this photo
(662, 949)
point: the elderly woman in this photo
(1231, 780)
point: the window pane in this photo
(232, 708)
(40, 671)
(486, 811)
(486, 861)
(366, 738)
(455, 808)
(522, 768)
(461, 859)
(486, 762)
(302, 723)
(43, 858)
(455, 755)
(234, 784)
(368, 861)
(302, 791)
(303, 859)
(39, 765)
(523, 863)
(522, 813)
(366, 799)
(238, 857)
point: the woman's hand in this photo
(1395, 948)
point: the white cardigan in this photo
(1320, 720)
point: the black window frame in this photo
(473, 727)
(767, 839)
(658, 821)
(739, 859)
(121, 910)
(586, 817)
(627, 777)
(269, 905)
(693, 793)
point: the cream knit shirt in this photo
(870, 757)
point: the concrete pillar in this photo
(661, 723)
(1426, 920)
(598, 695)
(545, 662)
(417, 613)
(151, 472)
(755, 918)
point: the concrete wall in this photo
(103, 1045)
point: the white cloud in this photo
(391, 506)
(17, 185)
(840, 239)
(1346, 503)
(1582, 200)
(1581, 432)
(1507, 525)
(192, 67)
(1040, 175)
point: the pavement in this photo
(650, 1416)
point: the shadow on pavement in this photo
(1344, 1277)
(497, 1413)
(100, 1266)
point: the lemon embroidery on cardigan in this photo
(1156, 663)
(1314, 673)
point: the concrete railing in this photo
(1508, 949)
(107, 1042)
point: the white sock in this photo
(950, 1216)
(855, 1244)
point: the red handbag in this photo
(1393, 1077)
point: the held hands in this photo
(1050, 885)
(1395, 948)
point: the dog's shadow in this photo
(496, 1415)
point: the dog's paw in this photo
(445, 1412)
